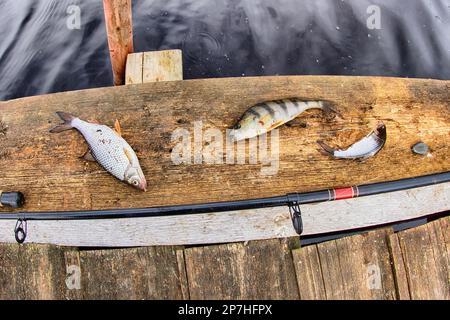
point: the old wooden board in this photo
(422, 257)
(357, 267)
(32, 272)
(137, 273)
(364, 266)
(309, 273)
(399, 269)
(154, 66)
(255, 270)
(47, 168)
(241, 225)
(134, 68)
(165, 65)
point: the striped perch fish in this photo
(263, 117)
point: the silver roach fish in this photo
(364, 148)
(263, 117)
(108, 148)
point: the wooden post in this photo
(120, 35)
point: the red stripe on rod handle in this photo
(344, 193)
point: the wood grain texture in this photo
(47, 168)
(141, 273)
(401, 279)
(269, 269)
(243, 225)
(119, 29)
(31, 272)
(73, 275)
(423, 253)
(255, 270)
(134, 68)
(309, 273)
(165, 65)
(182, 274)
(135, 273)
(356, 267)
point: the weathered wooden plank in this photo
(47, 168)
(309, 273)
(166, 65)
(238, 225)
(356, 267)
(134, 68)
(73, 275)
(154, 66)
(32, 272)
(400, 276)
(256, 270)
(182, 274)
(425, 257)
(134, 273)
(119, 29)
(445, 226)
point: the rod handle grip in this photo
(12, 199)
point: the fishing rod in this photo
(292, 200)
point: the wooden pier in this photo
(156, 102)
(380, 264)
(247, 254)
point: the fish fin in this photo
(66, 117)
(276, 125)
(117, 127)
(67, 125)
(128, 155)
(326, 149)
(380, 131)
(60, 128)
(88, 156)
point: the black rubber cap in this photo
(12, 199)
(298, 223)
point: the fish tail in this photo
(326, 149)
(380, 130)
(67, 125)
(329, 108)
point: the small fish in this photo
(108, 148)
(364, 148)
(263, 117)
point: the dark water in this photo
(40, 54)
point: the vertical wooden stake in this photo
(120, 35)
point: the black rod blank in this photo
(301, 198)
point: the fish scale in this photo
(106, 146)
(361, 148)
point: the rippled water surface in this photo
(40, 54)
